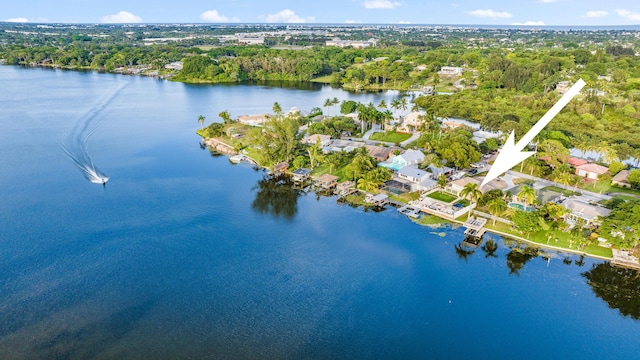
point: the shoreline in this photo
(610, 260)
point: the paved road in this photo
(540, 183)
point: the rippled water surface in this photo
(183, 255)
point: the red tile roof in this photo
(576, 161)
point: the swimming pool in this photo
(520, 206)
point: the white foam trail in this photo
(75, 140)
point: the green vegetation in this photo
(430, 221)
(406, 197)
(392, 137)
(442, 196)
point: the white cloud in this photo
(288, 16)
(404, 22)
(628, 14)
(529, 23)
(214, 16)
(380, 4)
(17, 20)
(353, 21)
(488, 13)
(122, 17)
(596, 13)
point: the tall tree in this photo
(527, 194)
(496, 208)
(471, 192)
(225, 116)
(201, 121)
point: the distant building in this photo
(176, 65)
(253, 120)
(325, 140)
(562, 87)
(574, 161)
(450, 71)
(355, 44)
(250, 40)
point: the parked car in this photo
(472, 171)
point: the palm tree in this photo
(327, 104)
(367, 185)
(403, 104)
(334, 101)
(382, 104)
(277, 109)
(527, 194)
(395, 105)
(201, 121)
(225, 116)
(602, 148)
(496, 208)
(610, 155)
(472, 193)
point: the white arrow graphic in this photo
(511, 154)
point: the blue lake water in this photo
(183, 255)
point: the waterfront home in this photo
(456, 186)
(378, 199)
(410, 122)
(326, 181)
(280, 167)
(579, 209)
(495, 184)
(380, 153)
(345, 187)
(621, 179)
(300, 175)
(591, 171)
(253, 120)
(575, 162)
(325, 140)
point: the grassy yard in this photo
(324, 169)
(406, 197)
(555, 238)
(392, 137)
(322, 79)
(440, 196)
(604, 186)
(430, 221)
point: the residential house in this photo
(591, 171)
(621, 179)
(411, 122)
(380, 153)
(575, 162)
(325, 140)
(378, 199)
(562, 87)
(413, 174)
(495, 184)
(450, 71)
(300, 175)
(456, 186)
(437, 171)
(253, 120)
(589, 213)
(326, 181)
(410, 157)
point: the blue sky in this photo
(491, 12)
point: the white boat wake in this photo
(74, 141)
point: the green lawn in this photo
(604, 186)
(393, 137)
(554, 238)
(406, 197)
(444, 197)
(322, 79)
(324, 169)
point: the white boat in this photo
(237, 158)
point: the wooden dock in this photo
(410, 211)
(475, 227)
